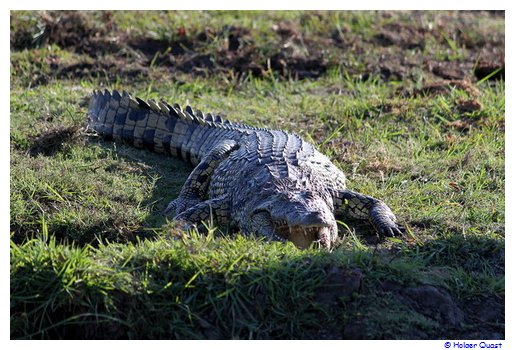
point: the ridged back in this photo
(159, 126)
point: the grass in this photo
(93, 257)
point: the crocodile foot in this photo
(384, 221)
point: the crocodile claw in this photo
(384, 220)
(183, 225)
(392, 231)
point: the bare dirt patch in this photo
(116, 54)
(468, 105)
(442, 49)
(492, 69)
(110, 69)
(444, 87)
(402, 35)
(53, 140)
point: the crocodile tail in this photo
(154, 125)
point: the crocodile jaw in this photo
(304, 236)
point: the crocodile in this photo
(261, 181)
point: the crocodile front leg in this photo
(359, 206)
(214, 211)
(194, 190)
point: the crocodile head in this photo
(297, 208)
(301, 217)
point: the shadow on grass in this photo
(93, 202)
(242, 288)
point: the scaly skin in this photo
(267, 182)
